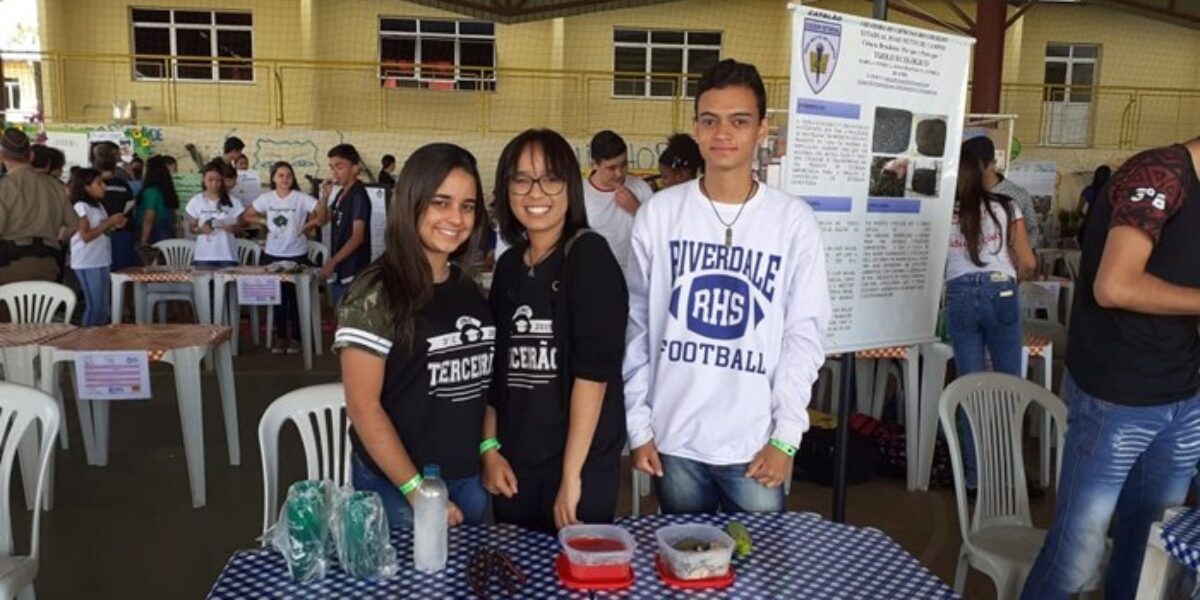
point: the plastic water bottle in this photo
(430, 527)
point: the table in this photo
(875, 384)
(1168, 547)
(140, 276)
(305, 291)
(181, 345)
(19, 343)
(795, 556)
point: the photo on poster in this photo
(893, 130)
(931, 135)
(888, 176)
(924, 178)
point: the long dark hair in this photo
(1100, 177)
(560, 162)
(220, 167)
(283, 164)
(158, 175)
(77, 186)
(403, 269)
(971, 200)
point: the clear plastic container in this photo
(692, 565)
(597, 552)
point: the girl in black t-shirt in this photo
(560, 304)
(416, 342)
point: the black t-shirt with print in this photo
(1134, 358)
(550, 331)
(352, 205)
(435, 391)
(117, 194)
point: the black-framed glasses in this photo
(522, 185)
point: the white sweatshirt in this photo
(723, 344)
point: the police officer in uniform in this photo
(34, 209)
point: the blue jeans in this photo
(983, 313)
(95, 285)
(467, 493)
(1131, 461)
(337, 289)
(690, 486)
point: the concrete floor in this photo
(128, 530)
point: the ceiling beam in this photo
(970, 23)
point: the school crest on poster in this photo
(822, 45)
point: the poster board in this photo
(74, 146)
(876, 119)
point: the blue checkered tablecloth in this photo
(1181, 536)
(795, 556)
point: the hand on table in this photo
(567, 501)
(454, 516)
(498, 476)
(645, 459)
(770, 467)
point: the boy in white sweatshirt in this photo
(728, 304)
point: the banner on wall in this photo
(876, 114)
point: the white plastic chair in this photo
(37, 301)
(176, 253)
(319, 412)
(999, 539)
(20, 406)
(250, 254)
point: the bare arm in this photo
(1122, 281)
(366, 414)
(357, 236)
(88, 233)
(587, 397)
(1022, 254)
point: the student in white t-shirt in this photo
(289, 215)
(989, 249)
(728, 305)
(611, 195)
(215, 220)
(91, 250)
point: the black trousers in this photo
(287, 314)
(533, 506)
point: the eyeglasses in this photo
(522, 185)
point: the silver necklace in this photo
(729, 225)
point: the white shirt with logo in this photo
(993, 249)
(96, 253)
(220, 244)
(285, 219)
(724, 342)
(608, 219)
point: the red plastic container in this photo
(597, 552)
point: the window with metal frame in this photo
(437, 54)
(192, 45)
(1070, 72)
(654, 63)
(12, 93)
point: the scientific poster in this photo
(876, 118)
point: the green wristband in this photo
(488, 444)
(411, 484)
(784, 447)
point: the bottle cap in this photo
(433, 471)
